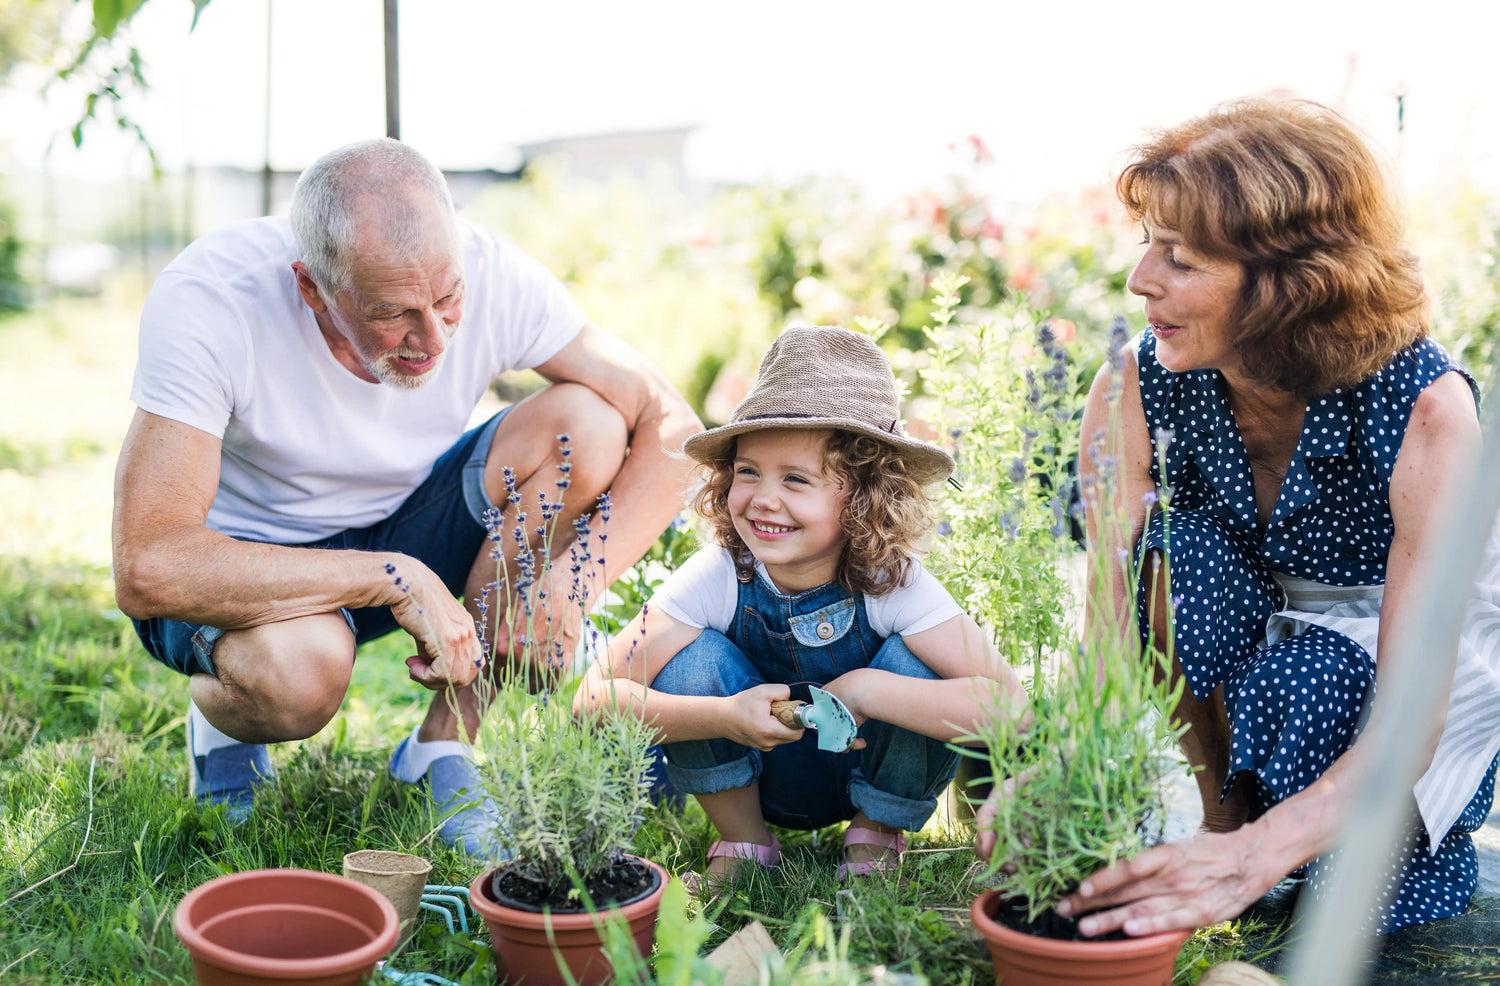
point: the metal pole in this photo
(265, 171)
(1334, 948)
(392, 74)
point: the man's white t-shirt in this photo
(704, 593)
(228, 346)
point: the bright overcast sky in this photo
(780, 88)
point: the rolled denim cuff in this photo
(203, 641)
(889, 809)
(714, 779)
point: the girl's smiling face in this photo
(786, 509)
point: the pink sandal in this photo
(858, 835)
(769, 857)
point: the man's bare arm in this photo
(167, 562)
(652, 483)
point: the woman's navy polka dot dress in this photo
(1294, 706)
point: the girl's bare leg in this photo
(865, 852)
(737, 817)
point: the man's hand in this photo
(448, 651)
(749, 722)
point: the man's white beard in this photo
(385, 369)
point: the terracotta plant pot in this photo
(399, 876)
(1026, 960)
(284, 926)
(528, 945)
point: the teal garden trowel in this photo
(828, 716)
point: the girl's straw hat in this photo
(825, 377)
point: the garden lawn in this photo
(99, 839)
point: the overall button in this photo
(825, 629)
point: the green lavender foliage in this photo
(1082, 775)
(1005, 393)
(571, 793)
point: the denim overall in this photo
(808, 638)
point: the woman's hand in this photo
(1180, 886)
(748, 720)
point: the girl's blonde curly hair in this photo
(886, 512)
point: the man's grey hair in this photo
(323, 211)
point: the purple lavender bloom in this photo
(1164, 438)
(1046, 338)
(1148, 499)
(1056, 375)
(1118, 336)
(1017, 471)
(944, 528)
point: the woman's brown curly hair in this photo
(1290, 191)
(886, 512)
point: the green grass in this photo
(99, 840)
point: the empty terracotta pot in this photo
(399, 876)
(284, 926)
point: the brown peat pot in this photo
(529, 945)
(1027, 960)
(284, 926)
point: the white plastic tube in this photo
(1333, 946)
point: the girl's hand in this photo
(846, 689)
(984, 821)
(749, 722)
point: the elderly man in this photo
(302, 391)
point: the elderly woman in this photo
(1310, 433)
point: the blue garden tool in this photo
(825, 715)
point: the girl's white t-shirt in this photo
(228, 346)
(704, 593)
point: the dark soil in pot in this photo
(1048, 924)
(623, 882)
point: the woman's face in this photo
(1189, 298)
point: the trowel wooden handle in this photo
(786, 711)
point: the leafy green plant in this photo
(570, 794)
(1082, 775)
(639, 583)
(1004, 395)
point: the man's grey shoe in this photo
(228, 775)
(454, 785)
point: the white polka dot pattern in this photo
(1295, 704)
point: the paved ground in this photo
(1463, 950)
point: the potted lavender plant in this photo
(570, 794)
(1082, 774)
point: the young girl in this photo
(817, 501)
